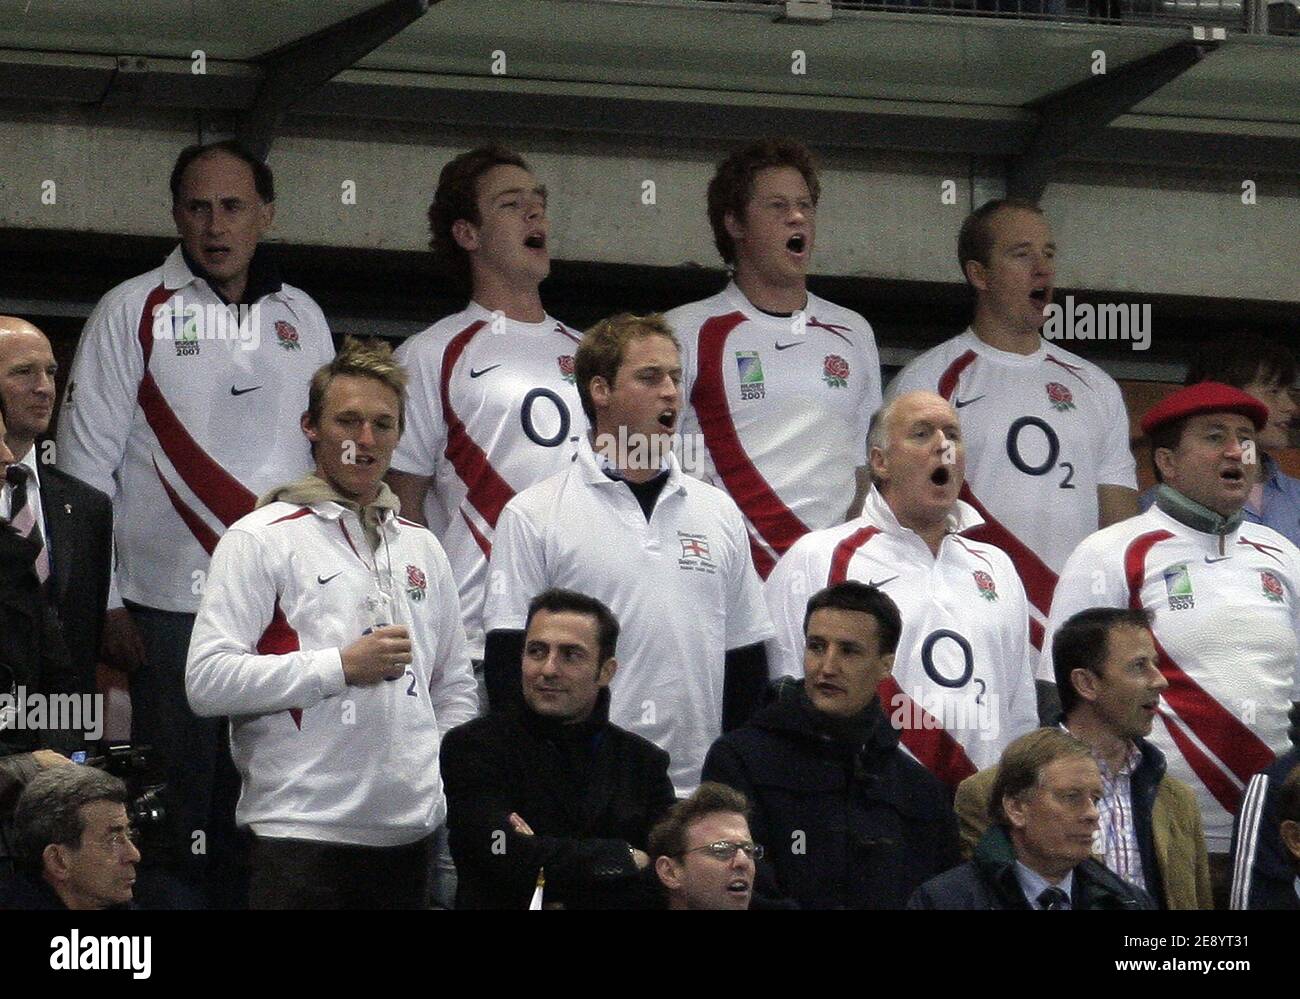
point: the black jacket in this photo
(988, 881)
(1263, 874)
(847, 819)
(587, 791)
(80, 522)
(33, 655)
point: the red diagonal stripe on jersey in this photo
(1218, 729)
(1073, 369)
(845, 551)
(979, 555)
(1268, 550)
(937, 750)
(1215, 780)
(948, 380)
(1040, 581)
(278, 640)
(484, 545)
(559, 328)
(925, 737)
(772, 519)
(218, 490)
(203, 534)
(485, 489)
(305, 511)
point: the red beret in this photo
(1205, 397)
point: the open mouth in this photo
(1041, 296)
(940, 476)
(740, 886)
(1233, 475)
(796, 243)
(668, 419)
(535, 241)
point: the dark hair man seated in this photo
(1266, 839)
(848, 820)
(1038, 853)
(703, 852)
(1150, 825)
(73, 843)
(551, 786)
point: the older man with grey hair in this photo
(72, 842)
(962, 686)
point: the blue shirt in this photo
(1034, 884)
(1281, 502)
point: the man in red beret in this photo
(1225, 600)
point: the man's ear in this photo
(977, 274)
(666, 870)
(1290, 830)
(465, 233)
(1014, 807)
(886, 665)
(599, 389)
(1085, 682)
(735, 227)
(54, 861)
(265, 217)
(308, 428)
(876, 460)
(606, 672)
(1163, 458)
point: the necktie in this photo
(23, 517)
(1054, 898)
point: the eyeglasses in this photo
(725, 850)
(118, 841)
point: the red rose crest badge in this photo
(1272, 586)
(1059, 396)
(416, 584)
(565, 361)
(835, 371)
(988, 589)
(286, 336)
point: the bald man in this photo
(73, 521)
(962, 685)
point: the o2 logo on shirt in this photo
(1017, 457)
(526, 417)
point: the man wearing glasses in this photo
(704, 853)
(848, 819)
(73, 843)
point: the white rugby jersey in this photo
(782, 405)
(1225, 625)
(682, 586)
(1042, 432)
(181, 430)
(319, 759)
(491, 409)
(963, 659)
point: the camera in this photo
(138, 768)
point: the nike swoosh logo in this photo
(787, 346)
(235, 391)
(483, 371)
(883, 581)
(1219, 559)
(966, 402)
(325, 579)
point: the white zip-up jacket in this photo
(319, 759)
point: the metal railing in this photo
(1276, 17)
